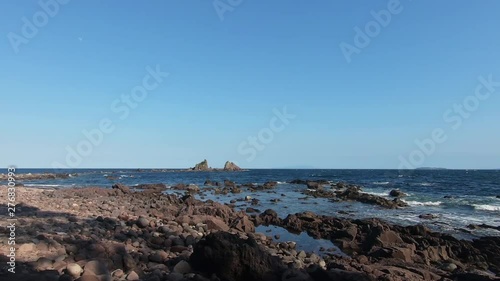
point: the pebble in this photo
(43, 263)
(118, 273)
(74, 269)
(301, 255)
(97, 267)
(132, 276)
(174, 276)
(142, 222)
(88, 278)
(450, 267)
(182, 267)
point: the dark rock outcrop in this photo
(152, 187)
(232, 258)
(397, 193)
(352, 193)
(121, 187)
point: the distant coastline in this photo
(432, 168)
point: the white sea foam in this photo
(380, 182)
(383, 194)
(425, 184)
(48, 185)
(281, 182)
(486, 207)
(427, 203)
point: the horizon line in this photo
(245, 169)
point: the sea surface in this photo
(457, 197)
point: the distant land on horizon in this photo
(433, 168)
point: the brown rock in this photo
(216, 224)
(121, 187)
(88, 278)
(230, 166)
(243, 224)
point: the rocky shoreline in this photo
(123, 234)
(29, 176)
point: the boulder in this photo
(428, 216)
(270, 185)
(74, 270)
(228, 183)
(243, 224)
(97, 267)
(214, 223)
(313, 185)
(211, 183)
(88, 278)
(397, 193)
(121, 187)
(182, 267)
(142, 222)
(233, 258)
(193, 188)
(298, 181)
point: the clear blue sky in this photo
(226, 77)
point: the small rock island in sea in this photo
(203, 167)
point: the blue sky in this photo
(226, 78)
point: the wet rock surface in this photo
(347, 192)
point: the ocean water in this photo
(470, 194)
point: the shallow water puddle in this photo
(303, 240)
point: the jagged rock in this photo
(397, 193)
(230, 166)
(152, 187)
(228, 183)
(243, 224)
(216, 224)
(353, 193)
(202, 166)
(121, 187)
